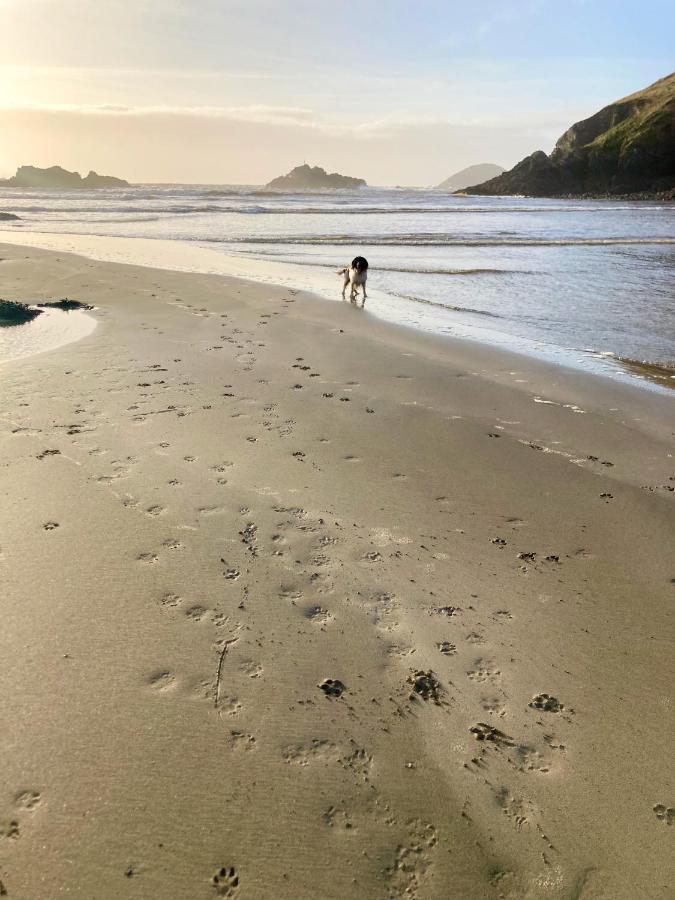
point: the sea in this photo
(583, 283)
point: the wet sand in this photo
(299, 604)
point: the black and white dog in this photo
(355, 276)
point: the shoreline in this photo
(200, 258)
(352, 610)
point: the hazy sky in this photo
(395, 91)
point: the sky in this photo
(239, 91)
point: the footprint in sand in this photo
(149, 558)
(28, 800)
(337, 818)
(318, 614)
(373, 556)
(238, 740)
(251, 668)
(546, 703)
(484, 732)
(448, 611)
(230, 706)
(332, 687)
(226, 882)
(665, 814)
(482, 673)
(425, 686)
(9, 830)
(50, 526)
(196, 613)
(162, 681)
(173, 544)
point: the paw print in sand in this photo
(546, 703)
(332, 687)
(226, 882)
(665, 814)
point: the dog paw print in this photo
(484, 732)
(332, 687)
(665, 814)
(425, 686)
(28, 800)
(226, 882)
(547, 703)
(9, 830)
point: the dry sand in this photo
(228, 493)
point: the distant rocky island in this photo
(56, 177)
(472, 175)
(627, 149)
(313, 178)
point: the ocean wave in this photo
(112, 210)
(437, 240)
(661, 371)
(197, 205)
(406, 270)
(425, 301)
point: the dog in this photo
(355, 276)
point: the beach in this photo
(300, 603)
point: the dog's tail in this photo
(341, 272)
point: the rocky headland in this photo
(626, 150)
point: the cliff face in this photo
(313, 178)
(472, 175)
(626, 148)
(56, 177)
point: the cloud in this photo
(253, 144)
(302, 117)
(251, 113)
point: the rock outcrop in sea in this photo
(56, 177)
(314, 178)
(471, 175)
(626, 149)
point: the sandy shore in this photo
(229, 493)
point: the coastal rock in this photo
(472, 175)
(314, 178)
(66, 305)
(627, 149)
(13, 313)
(56, 177)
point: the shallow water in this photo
(571, 280)
(52, 329)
